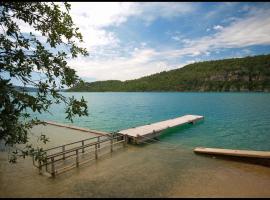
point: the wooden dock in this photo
(146, 132)
(59, 159)
(232, 152)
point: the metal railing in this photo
(62, 158)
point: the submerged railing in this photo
(59, 159)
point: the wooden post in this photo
(82, 146)
(98, 141)
(63, 150)
(53, 169)
(127, 139)
(192, 122)
(34, 161)
(77, 158)
(111, 144)
(96, 153)
(46, 165)
(136, 140)
(39, 166)
(124, 138)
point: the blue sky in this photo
(129, 40)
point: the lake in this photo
(168, 168)
(232, 120)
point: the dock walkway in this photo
(142, 133)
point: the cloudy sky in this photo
(130, 40)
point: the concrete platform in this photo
(233, 152)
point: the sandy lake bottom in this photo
(150, 170)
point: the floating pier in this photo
(232, 152)
(146, 132)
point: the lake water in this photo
(163, 169)
(232, 120)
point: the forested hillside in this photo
(236, 74)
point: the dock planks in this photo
(152, 130)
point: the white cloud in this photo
(94, 17)
(176, 38)
(106, 61)
(143, 44)
(218, 27)
(221, 7)
(229, 19)
(110, 59)
(142, 62)
(253, 30)
(101, 14)
(150, 11)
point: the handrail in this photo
(67, 154)
(66, 158)
(111, 134)
(80, 147)
(76, 148)
(73, 143)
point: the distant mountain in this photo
(31, 89)
(235, 74)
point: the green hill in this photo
(236, 74)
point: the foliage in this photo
(24, 53)
(236, 74)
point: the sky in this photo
(129, 40)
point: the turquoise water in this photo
(232, 120)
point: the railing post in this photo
(124, 142)
(34, 161)
(111, 144)
(39, 166)
(96, 153)
(98, 141)
(126, 139)
(46, 165)
(136, 139)
(63, 150)
(53, 169)
(77, 158)
(82, 146)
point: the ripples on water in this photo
(232, 120)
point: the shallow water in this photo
(140, 171)
(163, 169)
